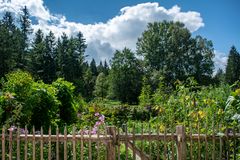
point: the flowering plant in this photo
(100, 121)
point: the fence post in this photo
(111, 155)
(181, 143)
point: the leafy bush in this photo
(26, 102)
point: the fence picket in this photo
(234, 145)
(74, 143)
(199, 142)
(49, 144)
(150, 147)
(57, 143)
(191, 143)
(172, 144)
(118, 143)
(142, 150)
(206, 142)
(34, 144)
(81, 145)
(227, 144)
(18, 143)
(165, 144)
(133, 133)
(3, 143)
(10, 144)
(98, 145)
(113, 140)
(26, 144)
(126, 141)
(220, 144)
(41, 144)
(158, 144)
(65, 143)
(213, 140)
(90, 145)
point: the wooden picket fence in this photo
(115, 143)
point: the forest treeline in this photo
(166, 53)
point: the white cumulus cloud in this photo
(220, 60)
(103, 38)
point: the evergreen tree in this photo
(62, 58)
(106, 68)
(88, 84)
(37, 54)
(49, 70)
(233, 66)
(219, 77)
(70, 57)
(100, 67)
(26, 30)
(10, 44)
(7, 61)
(8, 21)
(101, 86)
(25, 25)
(81, 47)
(77, 47)
(125, 77)
(93, 67)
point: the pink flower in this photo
(97, 114)
(12, 128)
(98, 123)
(102, 118)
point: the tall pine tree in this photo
(37, 55)
(49, 67)
(10, 44)
(233, 66)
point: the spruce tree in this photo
(93, 67)
(37, 55)
(233, 66)
(25, 25)
(62, 58)
(10, 44)
(49, 70)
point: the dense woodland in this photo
(46, 80)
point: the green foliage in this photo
(168, 48)
(192, 104)
(15, 92)
(68, 108)
(42, 106)
(125, 77)
(201, 63)
(9, 50)
(93, 67)
(233, 66)
(24, 101)
(88, 84)
(101, 86)
(145, 96)
(232, 109)
(18, 83)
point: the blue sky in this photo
(109, 25)
(221, 17)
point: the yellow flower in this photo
(220, 111)
(237, 91)
(161, 128)
(201, 114)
